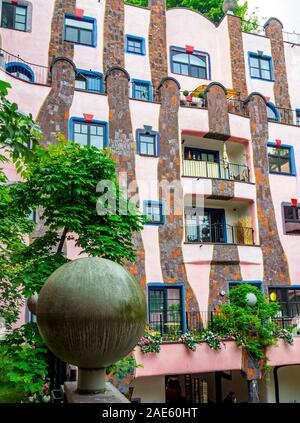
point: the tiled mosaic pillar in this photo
(276, 270)
(171, 232)
(157, 42)
(273, 29)
(121, 142)
(113, 34)
(238, 68)
(53, 116)
(218, 118)
(225, 265)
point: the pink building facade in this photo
(207, 108)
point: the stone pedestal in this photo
(111, 395)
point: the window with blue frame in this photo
(261, 67)
(166, 308)
(272, 113)
(80, 31)
(291, 216)
(153, 210)
(89, 81)
(298, 117)
(289, 301)
(20, 70)
(147, 142)
(135, 45)
(281, 159)
(13, 16)
(189, 64)
(141, 90)
(89, 133)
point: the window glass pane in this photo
(265, 64)
(20, 26)
(80, 138)
(271, 114)
(94, 84)
(273, 164)
(176, 67)
(97, 141)
(86, 37)
(100, 130)
(197, 60)
(255, 72)
(84, 128)
(288, 213)
(20, 19)
(254, 62)
(285, 166)
(266, 74)
(143, 148)
(80, 84)
(21, 11)
(181, 58)
(72, 34)
(79, 24)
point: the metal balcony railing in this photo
(21, 69)
(291, 37)
(219, 233)
(220, 170)
(237, 107)
(171, 324)
(191, 101)
(287, 116)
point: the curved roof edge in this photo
(194, 11)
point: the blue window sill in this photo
(282, 174)
(262, 79)
(133, 52)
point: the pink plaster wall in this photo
(177, 359)
(32, 46)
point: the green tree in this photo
(212, 9)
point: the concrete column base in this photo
(111, 395)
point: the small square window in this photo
(89, 81)
(280, 160)
(141, 90)
(154, 212)
(135, 45)
(80, 31)
(91, 134)
(260, 67)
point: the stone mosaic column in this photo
(113, 34)
(238, 68)
(218, 118)
(158, 41)
(276, 269)
(121, 142)
(171, 232)
(53, 116)
(273, 29)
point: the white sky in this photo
(287, 11)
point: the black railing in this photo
(21, 69)
(172, 324)
(191, 101)
(287, 116)
(219, 170)
(219, 233)
(288, 322)
(237, 107)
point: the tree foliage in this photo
(212, 9)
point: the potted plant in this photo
(201, 96)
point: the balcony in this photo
(21, 69)
(220, 170)
(217, 221)
(218, 233)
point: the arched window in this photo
(20, 70)
(272, 113)
(188, 64)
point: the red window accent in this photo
(278, 143)
(189, 49)
(15, 1)
(188, 98)
(79, 13)
(88, 117)
(267, 99)
(294, 202)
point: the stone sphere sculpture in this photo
(91, 313)
(229, 6)
(251, 299)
